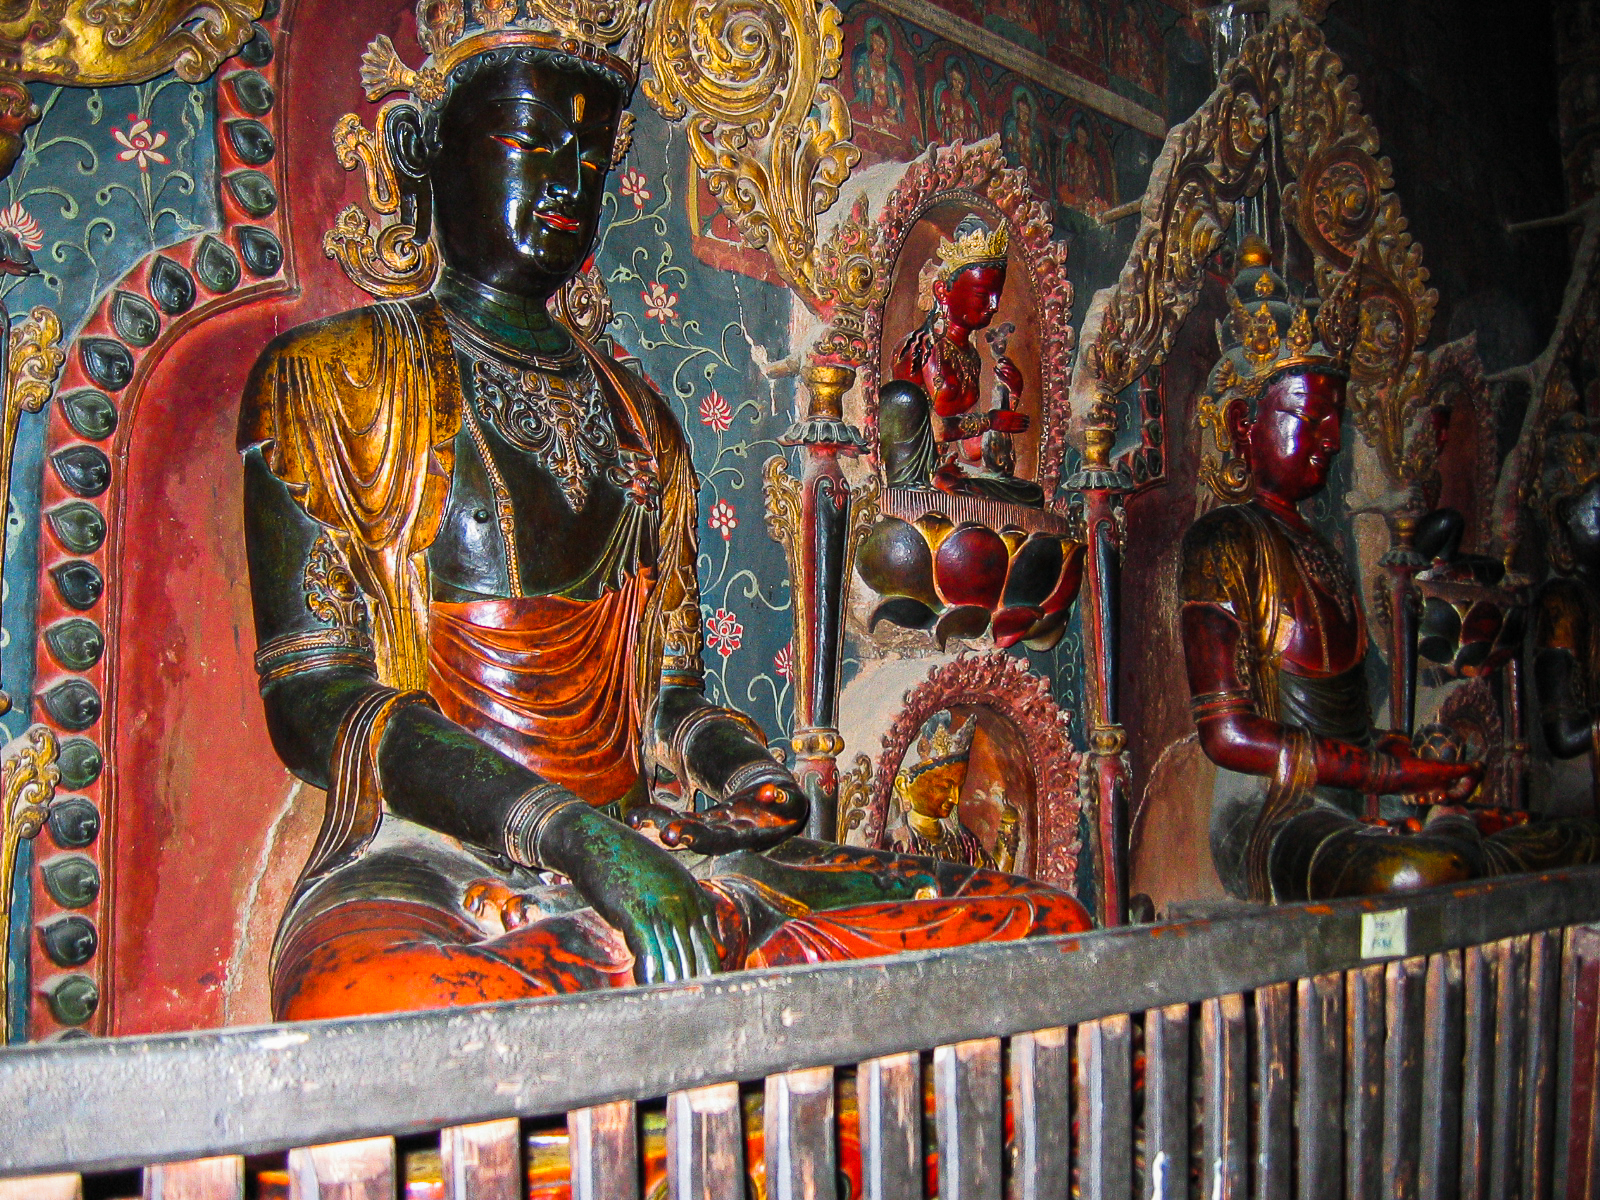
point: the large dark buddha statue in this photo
(472, 554)
(1275, 644)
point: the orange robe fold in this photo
(548, 681)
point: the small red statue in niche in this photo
(1275, 642)
(929, 432)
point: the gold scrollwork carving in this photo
(34, 364)
(855, 796)
(28, 778)
(770, 136)
(1339, 202)
(101, 43)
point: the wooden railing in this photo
(1441, 1044)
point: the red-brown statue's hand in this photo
(1456, 780)
(756, 818)
(1007, 421)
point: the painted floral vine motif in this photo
(1001, 683)
(978, 174)
(705, 371)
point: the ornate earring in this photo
(1226, 473)
(385, 260)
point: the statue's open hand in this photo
(1440, 782)
(1005, 420)
(754, 818)
(667, 919)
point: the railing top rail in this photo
(123, 1102)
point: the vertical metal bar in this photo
(1225, 1119)
(1579, 1133)
(967, 1112)
(1439, 1160)
(603, 1151)
(1405, 1015)
(1477, 1081)
(219, 1178)
(1041, 1112)
(1105, 1108)
(1539, 1074)
(1319, 1090)
(798, 1132)
(705, 1144)
(362, 1170)
(42, 1187)
(1564, 1056)
(1363, 1086)
(889, 1092)
(1274, 1116)
(1166, 1104)
(484, 1161)
(1510, 1055)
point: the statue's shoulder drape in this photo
(1235, 558)
(356, 414)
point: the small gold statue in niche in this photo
(929, 430)
(929, 795)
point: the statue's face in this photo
(937, 791)
(1582, 520)
(1296, 433)
(971, 298)
(518, 181)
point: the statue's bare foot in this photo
(498, 908)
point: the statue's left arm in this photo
(716, 751)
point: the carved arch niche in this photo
(1284, 110)
(932, 197)
(1021, 751)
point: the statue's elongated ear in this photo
(411, 150)
(1239, 423)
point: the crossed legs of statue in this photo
(1322, 854)
(404, 928)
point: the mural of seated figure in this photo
(930, 431)
(472, 545)
(1275, 643)
(929, 794)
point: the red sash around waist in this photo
(547, 681)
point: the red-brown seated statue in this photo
(472, 550)
(1275, 643)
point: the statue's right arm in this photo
(438, 774)
(1236, 736)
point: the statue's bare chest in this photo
(551, 492)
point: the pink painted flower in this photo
(139, 144)
(659, 302)
(632, 185)
(722, 519)
(715, 412)
(723, 632)
(783, 662)
(17, 221)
